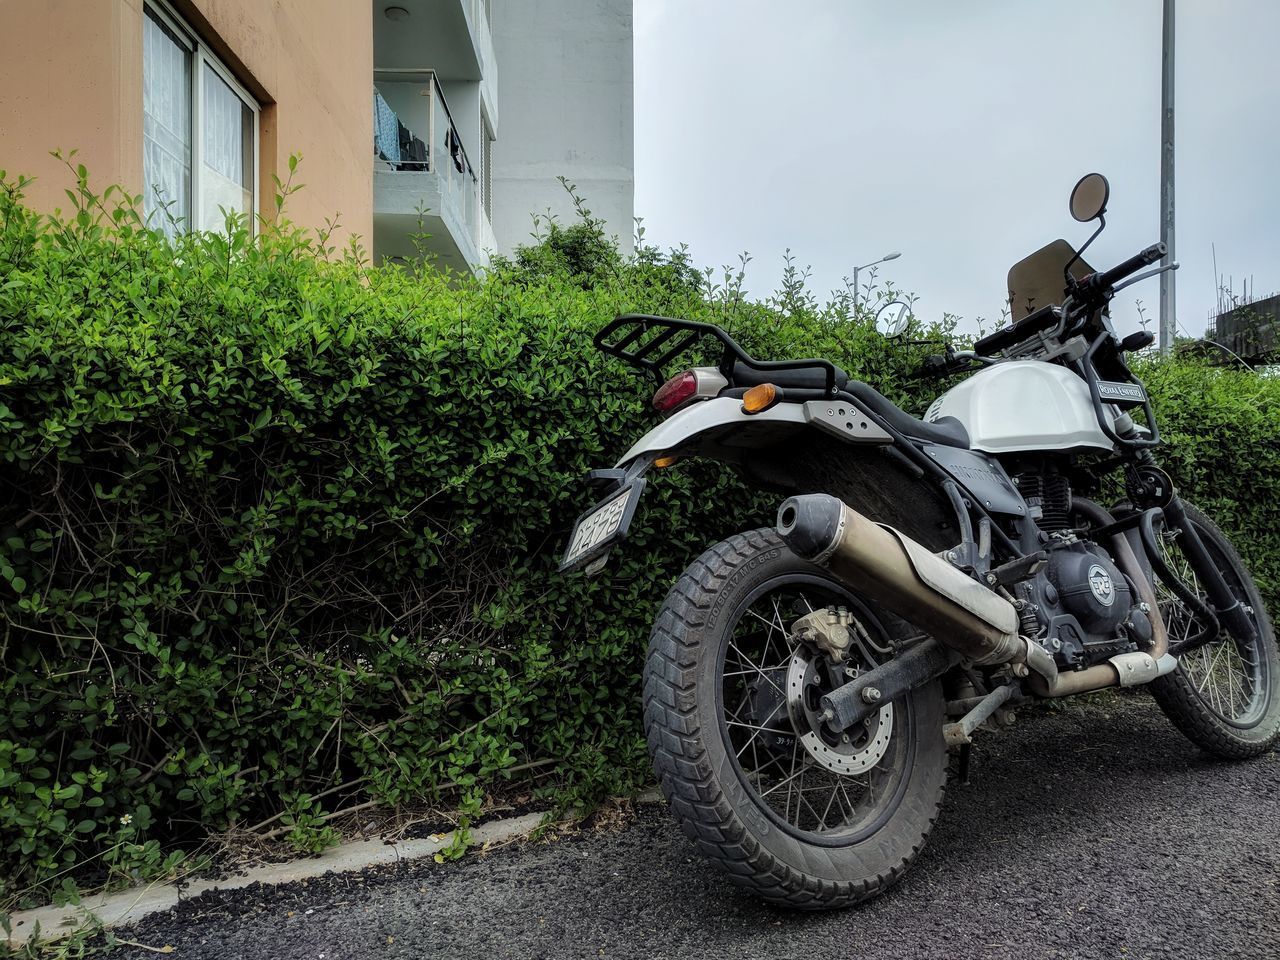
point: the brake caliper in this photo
(828, 631)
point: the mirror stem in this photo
(1066, 271)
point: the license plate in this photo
(602, 526)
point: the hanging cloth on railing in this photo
(454, 146)
(415, 153)
(386, 138)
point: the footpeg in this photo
(1015, 571)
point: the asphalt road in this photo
(1092, 832)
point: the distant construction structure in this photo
(1246, 325)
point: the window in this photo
(200, 131)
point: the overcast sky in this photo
(953, 132)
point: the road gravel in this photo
(1093, 830)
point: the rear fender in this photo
(720, 430)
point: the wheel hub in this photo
(856, 750)
(767, 710)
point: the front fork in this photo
(1149, 485)
(1227, 608)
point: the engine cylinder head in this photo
(1048, 494)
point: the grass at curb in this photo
(53, 932)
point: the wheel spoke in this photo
(806, 789)
(773, 760)
(752, 664)
(758, 731)
(1224, 674)
(791, 779)
(805, 801)
(774, 630)
(752, 726)
(830, 800)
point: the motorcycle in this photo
(805, 684)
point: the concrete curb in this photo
(130, 906)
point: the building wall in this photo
(76, 82)
(72, 81)
(566, 91)
(313, 60)
(1251, 331)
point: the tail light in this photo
(676, 392)
(700, 383)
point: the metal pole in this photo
(857, 294)
(1168, 282)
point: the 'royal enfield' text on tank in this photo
(804, 682)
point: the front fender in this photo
(720, 430)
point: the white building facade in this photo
(479, 106)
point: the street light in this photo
(1168, 285)
(857, 294)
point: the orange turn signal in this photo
(760, 398)
(663, 462)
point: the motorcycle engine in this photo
(1089, 604)
(1090, 587)
(1086, 606)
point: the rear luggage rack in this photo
(649, 343)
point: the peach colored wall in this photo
(71, 78)
(76, 81)
(313, 59)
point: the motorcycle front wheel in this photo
(1224, 695)
(786, 808)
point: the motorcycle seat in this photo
(947, 431)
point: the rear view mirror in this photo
(1089, 197)
(892, 319)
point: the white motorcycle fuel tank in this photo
(1023, 406)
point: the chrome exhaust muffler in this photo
(907, 579)
(904, 577)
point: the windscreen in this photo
(1036, 281)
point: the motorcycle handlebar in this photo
(1105, 281)
(934, 365)
(938, 365)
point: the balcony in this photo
(453, 37)
(422, 170)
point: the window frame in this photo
(200, 56)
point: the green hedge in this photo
(278, 529)
(1221, 427)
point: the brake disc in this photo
(856, 750)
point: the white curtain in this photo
(226, 175)
(166, 128)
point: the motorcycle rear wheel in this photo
(788, 811)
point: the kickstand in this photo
(962, 765)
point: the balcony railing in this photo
(414, 132)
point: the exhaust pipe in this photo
(910, 581)
(904, 577)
